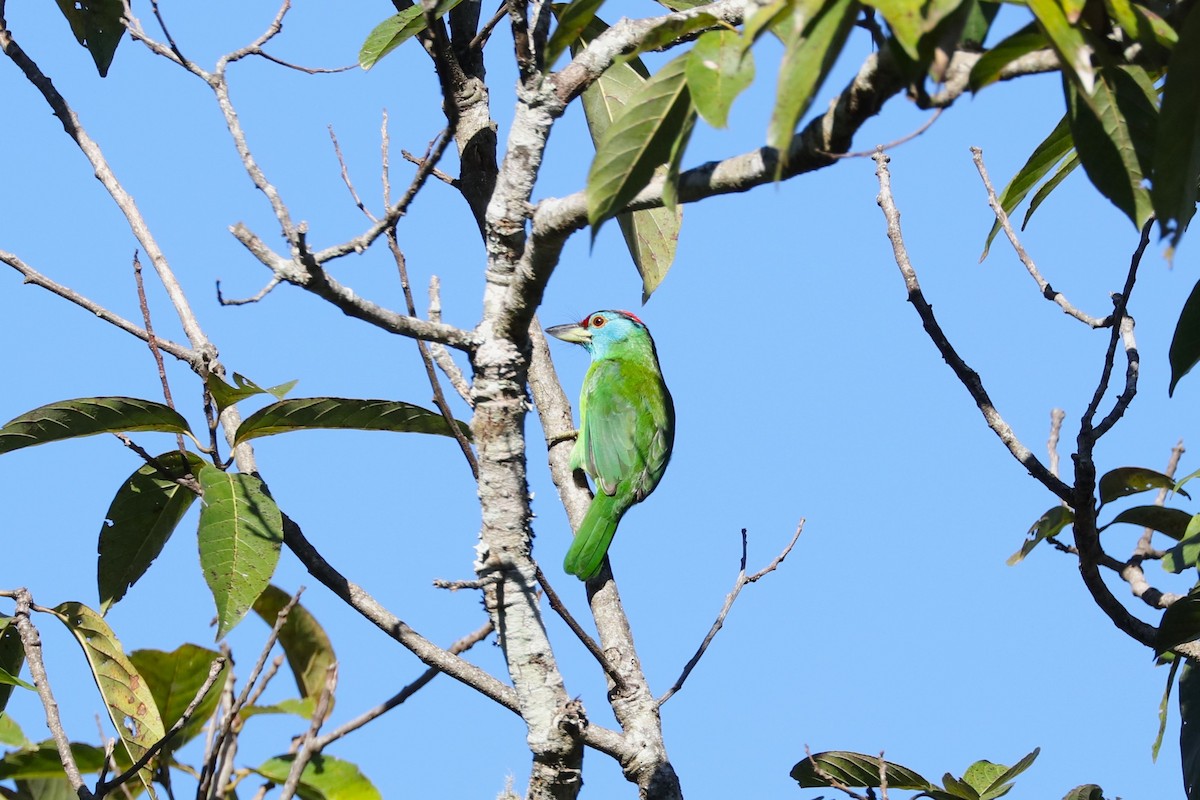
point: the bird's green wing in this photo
(626, 428)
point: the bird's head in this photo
(602, 330)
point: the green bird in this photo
(626, 427)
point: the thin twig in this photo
(437, 173)
(337, 150)
(31, 642)
(151, 339)
(1057, 416)
(225, 301)
(305, 70)
(441, 356)
(1043, 285)
(462, 645)
(968, 377)
(738, 585)
(580, 633)
(926, 125)
(485, 33)
(104, 787)
(303, 748)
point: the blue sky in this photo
(803, 382)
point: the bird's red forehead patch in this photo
(587, 321)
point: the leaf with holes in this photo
(305, 643)
(639, 140)
(129, 700)
(88, 416)
(817, 32)
(323, 778)
(142, 516)
(1125, 481)
(174, 678)
(97, 26)
(241, 531)
(225, 395)
(341, 413)
(1049, 524)
(855, 770)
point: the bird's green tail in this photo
(595, 535)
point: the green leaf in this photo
(1163, 705)
(1186, 553)
(818, 32)
(1067, 40)
(44, 789)
(225, 395)
(1049, 524)
(989, 66)
(1156, 28)
(341, 413)
(639, 140)
(573, 18)
(12, 656)
(1180, 623)
(957, 789)
(97, 26)
(1185, 343)
(88, 416)
(12, 680)
(910, 20)
(1177, 148)
(1064, 169)
(1189, 728)
(43, 761)
(323, 778)
(241, 531)
(1088, 791)
(670, 30)
(1052, 149)
(396, 30)
(1113, 130)
(854, 770)
(143, 515)
(11, 733)
(174, 679)
(1125, 481)
(1122, 12)
(129, 700)
(305, 643)
(717, 71)
(1169, 521)
(995, 780)
(650, 234)
(293, 705)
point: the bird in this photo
(626, 427)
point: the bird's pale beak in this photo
(571, 332)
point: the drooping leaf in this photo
(1067, 40)
(989, 66)
(651, 234)
(854, 770)
(718, 70)
(1121, 11)
(305, 643)
(910, 20)
(1051, 150)
(225, 395)
(1180, 623)
(1170, 521)
(293, 705)
(342, 413)
(573, 18)
(774, 16)
(129, 701)
(668, 31)
(818, 32)
(396, 30)
(1125, 481)
(11, 733)
(12, 657)
(88, 416)
(44, 762)
(1185, 343)
(323, 778)
(1158, 28)
(1187, 552)
(1113, 130)
(1189, 728)
(638, 141)
(142, 516)
(174, 679)
(97, 26)
(1060, 174)
(1177, 149)
(1049, 524)
(241, 531)
(1088, 791)
(1163, 705)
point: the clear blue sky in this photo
(804, 386)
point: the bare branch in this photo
(254, 298)
(304, 746)
(1043, 285)
(968, 377)
(580, 633)
(1057, 416)
(738, 585)
(440, 356)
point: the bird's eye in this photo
(597, 321)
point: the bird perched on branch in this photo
(626, 427)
